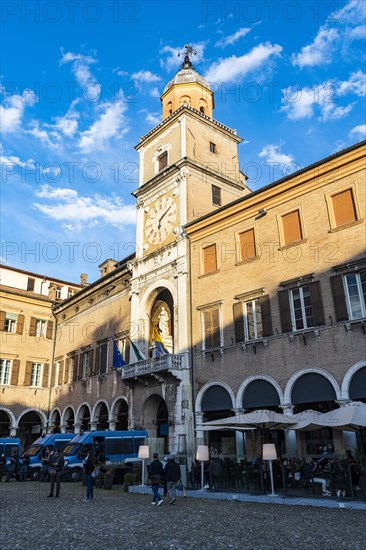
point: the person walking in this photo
(57, 463)
(89, 466)
(172, 475)
(13, 467)
(24, 468)
(155, 470)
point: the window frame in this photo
(331, 215)
(163, 155)
(58, 292)
(239, 255)
(216, 306)
(5, 371)
(283, 243)
(204, 263)
(360, 294)
(304, 317)
(216, 194)
(85, 365)
(36, 375)
(10, 323)
(213, 148)
(41, 328)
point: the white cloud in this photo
(357, 33)
(68, 124)
(235, 68)
(352, 13)
(50, 138)
(119, 72)
(271, 153)
(155, 92)
(229, 40)
(12, 161)
(77, 212)
(319, 52)
(302, 103)
(176, 55)
(145, 76)
(83, 75)
(153, 118)
(110, 124)
(358, 131)
(11, 113)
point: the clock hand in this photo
(165, 213)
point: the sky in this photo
(81, 83)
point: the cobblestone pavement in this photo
(117, 520)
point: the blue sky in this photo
(81, 83)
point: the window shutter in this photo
(209, 259)
(60, 372)
(76, 369)
(127, 352)
(344, 207)
(2, 320)
(266, 315)
(96, 369)
(317, 303)
(46, 368)
(20, 324)
(80, 369)
(28, 373)
(238, 322)
(32, 326)
(53, 375)
(208, 328)
(91, 362)
(67, 370)
(49, 330)
(247, 245)
(283, 301)
(292, 227)
(15, 372)
(339, 298)
(216, 328)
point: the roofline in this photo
(278, 182)
(16, 292)
(52, 279)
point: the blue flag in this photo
(118, 360)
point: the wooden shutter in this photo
(80, 369)
(49, 330)
(292, 227)
(317, 303)
(76, 369)
(212, 328)
(266, 315)
(15, 372)
(284, 304)
(46, 369)
(32, 326)
(238, 322)
(28, 373)
(60, 372)
(91, 362)
(2, 320)
(209, 259)
(53, 375)
(67, 370)
(339, 299)
(20, 324)
(247, 245)
(98, 351)
(344, 208)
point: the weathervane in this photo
(187, 63)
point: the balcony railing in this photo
(164, 363)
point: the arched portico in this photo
(8, 423)
(357, 371)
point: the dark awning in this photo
(216, 398)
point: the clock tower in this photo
(188, 168)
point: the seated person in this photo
(309, 471)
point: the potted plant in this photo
(108, 475)
(128, 480)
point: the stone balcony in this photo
(169, 362)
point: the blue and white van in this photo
(39, 447)
(106, 446)
(8, 447)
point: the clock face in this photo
(160, 220)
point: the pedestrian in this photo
(13, 466)
(164, 463)
(172, 475)
(89, 466)
(45, 468)
(2, 466)
(24, 468)
(57, 463)
(155, 470)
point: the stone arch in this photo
(55, 420)
(31, 424)
(100, 415)
(155, 419)
(347, 379)
(293, 379)
(244, 385)
(208, 385)
(68, 419)
(82, 418)
(12, 422)
(119, 413)
(185, 99)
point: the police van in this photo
(105, 446)
(8, 447)
(40, 446)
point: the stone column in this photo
(290, 435)
(93, 425)
(200, 434)
(112, 425)
(13, 432)
(349, 438)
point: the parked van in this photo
(38, 448)
(106, 446)
(9, 446)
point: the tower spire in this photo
(187, 63)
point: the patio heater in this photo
(202, 456)
(269, 453)
(143, 454)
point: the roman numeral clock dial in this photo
(160, 221)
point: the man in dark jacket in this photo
(57, 463)
(13, 467)
(172, 475)
(155, 470)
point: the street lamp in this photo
(143, 454)
(269, 453)
(202, 456)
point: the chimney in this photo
(83, 279)
(52, 292)
(107, 266)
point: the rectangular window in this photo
(247, 245)
(10, 322)
(5, 365)
(58, 292)
(41, 327)
(252, 319)
(344, 208)
(113, 446)
(301, 308)
(85, 360)
(212, 147)
(355, 289)
(291, 224)
(163, 161)
(30, 284)
(36, 374)
(70, 292)
(216, 195)
(211, 328)
(103, 358)
(128, 446)
(209, 259)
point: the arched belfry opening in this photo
(162, 317)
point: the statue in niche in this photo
(163, 323)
